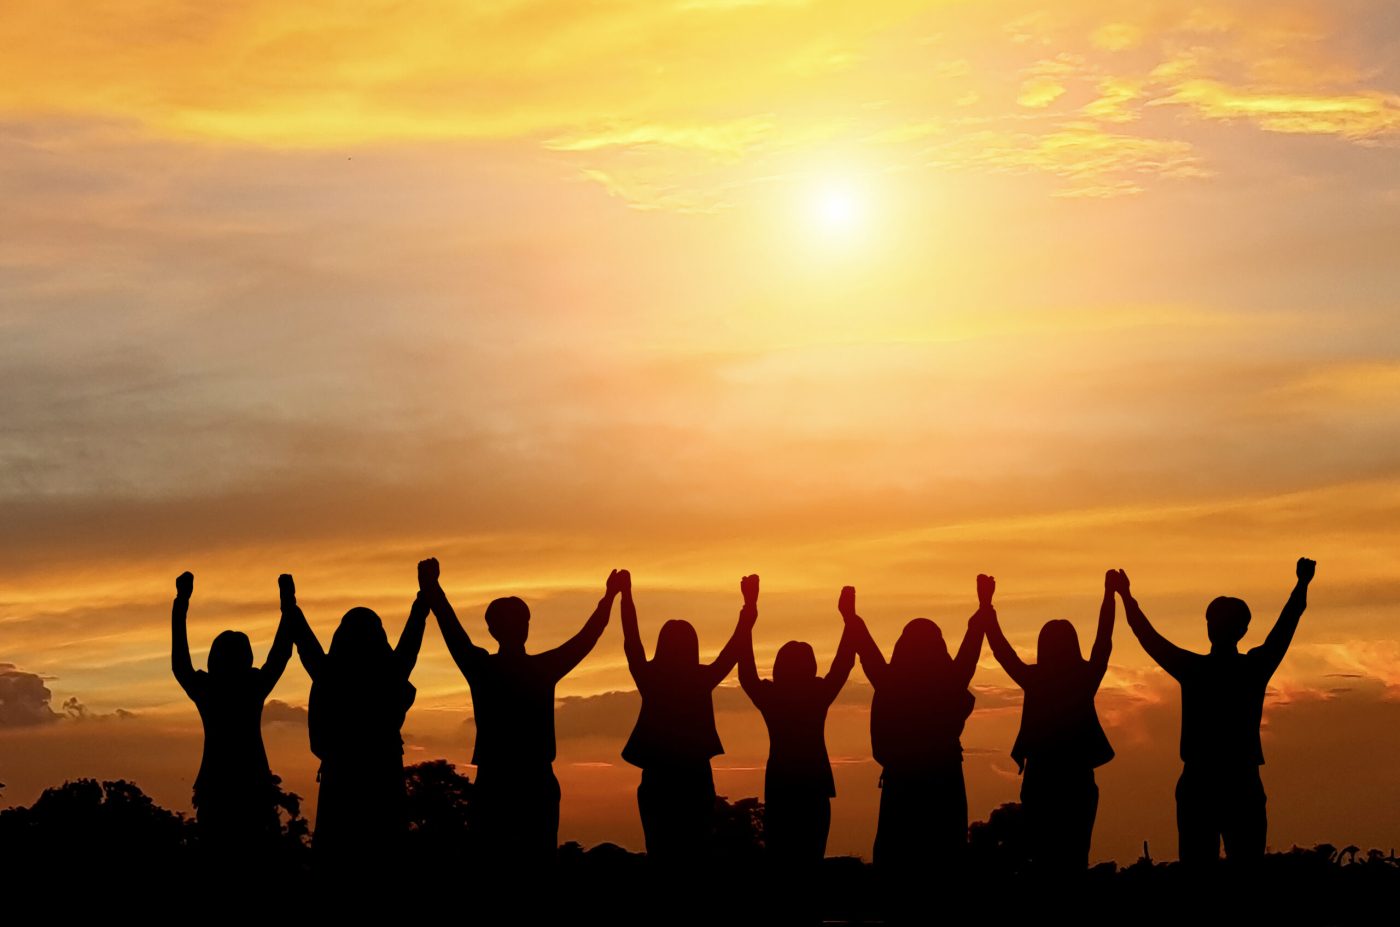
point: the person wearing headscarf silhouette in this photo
(515, 801)
(235, 793)
(360, 695)
(675, 738)
(917, 713)
(1060, 742)
(797, 783)
(1220, 797)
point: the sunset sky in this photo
(878, 293)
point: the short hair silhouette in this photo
(1227, 619)
(1220, 796)
(515, 801)
(508, 620)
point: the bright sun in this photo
(837, 209)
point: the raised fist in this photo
(428, 574)
(986, 586)
(1306, 569)
(749, 587)
(846, 603)
(286, 587)
(184, 584)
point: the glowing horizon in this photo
(836, 293)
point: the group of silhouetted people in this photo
(361, 692)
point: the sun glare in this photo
(837, 209)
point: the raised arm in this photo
(1276, 644)
(841, 664)
(313, 657)
(1001, 648)
(180, 662)
(281, 652)
(1103, 637)
(965, 663)
(871, 659)
(631, 634)
(464, 653)
(411, 638)
(743, 631)
(753, 686)
(1169, 657)
(567, 655)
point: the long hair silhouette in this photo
(1060, 741)
(675, 736)
(360, 695)
(917, 713)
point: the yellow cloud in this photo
(728, 140)
(1116, 36)
(1089, 161)
(1114, 94)
(1039, 92)
(1356, 116)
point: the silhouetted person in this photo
(1219, 795)
(1060, 742)
(360, 694)
(515, 802)
(235, 794)
(675, 737)
(797, 785)
(920, 705)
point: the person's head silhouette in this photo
(508, 621)
(230, 654)
(920, 648)
(1058, 645)
(1227, 618)
(795, 664)
(677, 645)
(360, 641)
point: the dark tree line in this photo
(86, 845)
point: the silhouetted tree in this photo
(439, 810)
(1000, 844)
(738, 830)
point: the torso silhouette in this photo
(513, 706)
(676, 724)
(1222, 705)
(796, 720)
(916, 720)
(355, 716)
(231, 710)
(1058, 721)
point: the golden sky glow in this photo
(883, 293)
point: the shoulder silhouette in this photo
(515, 808)
(360, 695)
(1060, 741)
(235, 793)
(1220, 797)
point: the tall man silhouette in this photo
(515, 802)
(1220, 795)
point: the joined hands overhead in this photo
(748, 587)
